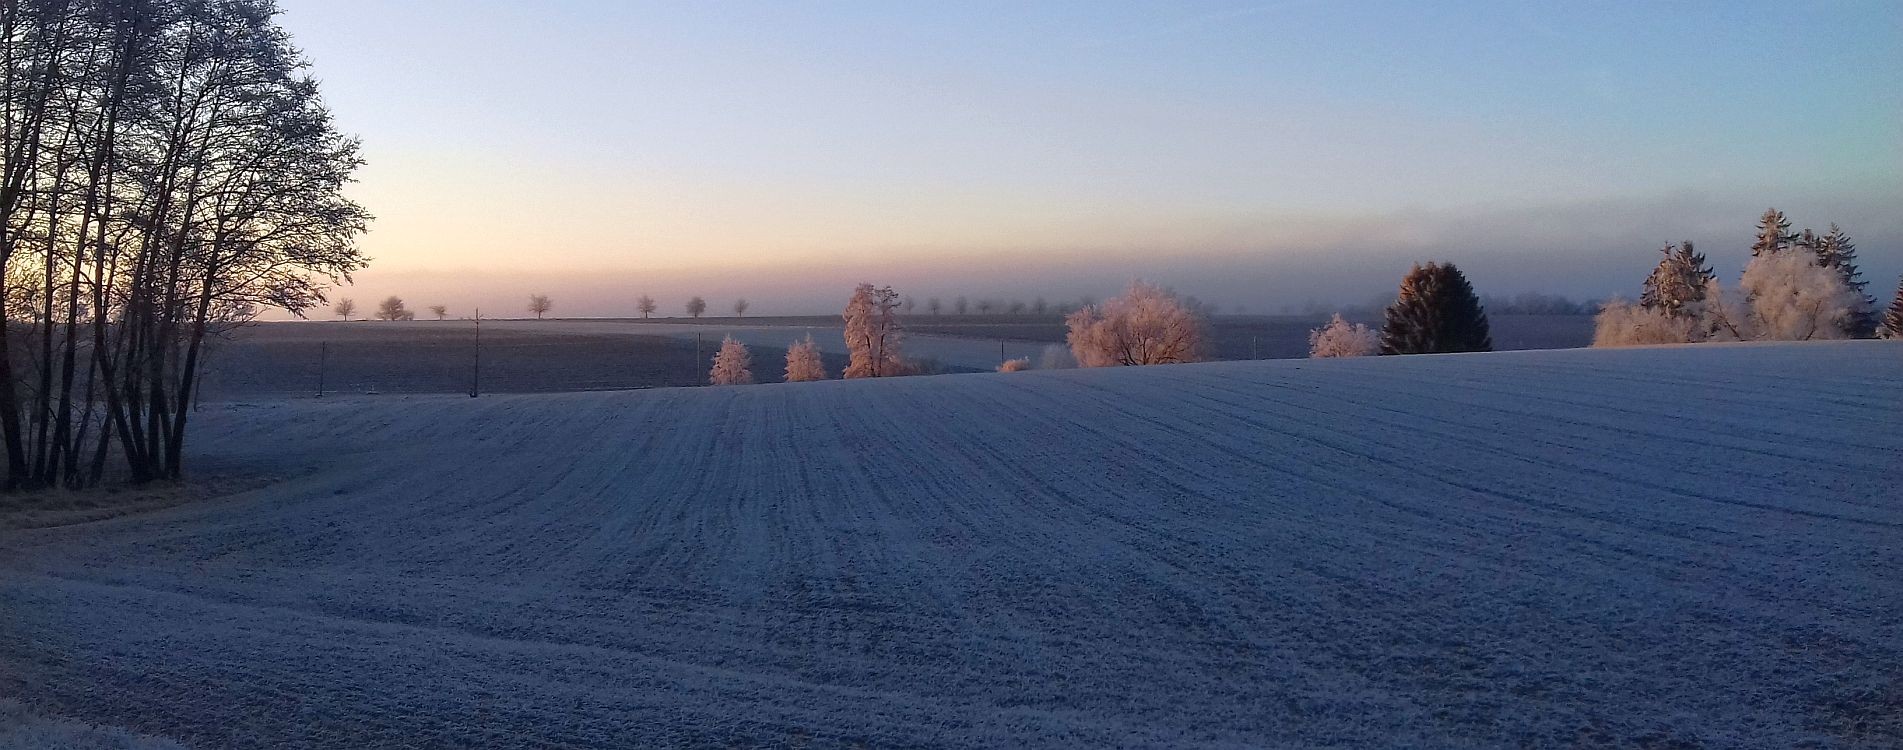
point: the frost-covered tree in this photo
(1015, 365)
(392, 309)
(1148, 325)
(1677, 284)
(1774, 233)
(1435, 312)
(345, 308)
(645, 305)
(1892, 326)
(803, 362)
(1834, 250)
(733, 365)
(440, 311)
(1621, 323)
(873, 334)
(696, 306)
(540, 305)
(1794, 299)
(1727, 314)
(1343, 339)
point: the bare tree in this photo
(985, 306)
(392, 309)
(872, 333)
(1148, 325)
(908, 304)
(646, 305)
(169, 169)
(740, 307)
(961, 305)
(934, 306)
(803, 362)
(440, 311)
(733, 365)
(696, 306)
(1342, 339)
(540, 304)
(1040, 307)
(345, 308)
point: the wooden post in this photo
(475, 375)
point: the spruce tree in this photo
(1677, 282)
(1435, 311)
(1835, 250)
(1892, 327)
(1774, 233)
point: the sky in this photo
(1258, 155)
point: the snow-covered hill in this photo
(1667, 547)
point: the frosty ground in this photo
(1693, 546)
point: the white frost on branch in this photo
(1148, 325)
(732, 364)
(1343, 339)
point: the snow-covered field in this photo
(1696, 546)
(955, 351)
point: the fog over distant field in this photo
(1588, 250)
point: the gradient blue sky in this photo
(1258, 154)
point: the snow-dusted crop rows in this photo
(1697, 545)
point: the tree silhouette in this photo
(1435, 312)
(392, 309)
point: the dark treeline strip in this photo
(169, 168)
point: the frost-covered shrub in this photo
(1621, 323)
(1148, 325)
(732, 364)
(1015, 365)
(1343, 339)
(1795, 299)
(803, 362)
(1056, 357)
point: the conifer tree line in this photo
(169, 169)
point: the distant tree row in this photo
(1797, 286)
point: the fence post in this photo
(475, 373)
(323, 353)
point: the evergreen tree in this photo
(1835, 250)
(1892, 327)
(1678, 282)
(1774, 233)
(1435, 312)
